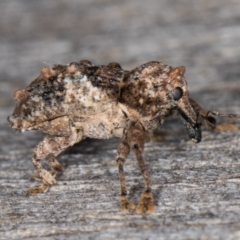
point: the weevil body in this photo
(71, 102)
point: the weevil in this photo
(79, 100)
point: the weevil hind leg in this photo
(55, 166)
(42, 174)
(42, 188)
(49, 149)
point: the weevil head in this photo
(179, 98)
(155, 90)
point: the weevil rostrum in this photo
(79, 100)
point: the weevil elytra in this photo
(79, 100)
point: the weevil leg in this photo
(56, 167)
(197, 107)
(209, 121)
(49, 149)
(122, 153)
(207, 116)
(218, 114)
(54, 164)
(135, 138)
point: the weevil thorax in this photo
(147, 92)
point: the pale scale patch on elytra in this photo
(67, 80)
(83, 93)
(77, 78)
(80, 90)
(35, 98)
(96, 97)
(93, 93)
(83, 78)
(38, 114)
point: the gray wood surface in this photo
(196, 187)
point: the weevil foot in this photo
(146, 203)
(47, 177)
(126, 205)
(38, 178)
(39, 189)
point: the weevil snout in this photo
(190, 120)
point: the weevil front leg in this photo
(49, 149)
(207, 116)
(135, 140)
(136, 137)
(218, 114)
(209, 121)
(122, 153)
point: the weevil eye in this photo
(177, 93)
(212, 120)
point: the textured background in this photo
(196, 187)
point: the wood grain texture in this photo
(196, 187)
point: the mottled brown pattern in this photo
(71, 102)
(148, 83)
